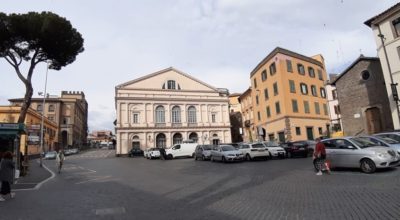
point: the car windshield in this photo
(272, 144)
(363, 142)
(258, 146)
(207, 147)
(389, 140)
(227, 148)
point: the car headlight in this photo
(383, 155)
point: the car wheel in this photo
(248, 157)
(270, 155)
(223, 159)
(195, 157)
(368, 166)
(170, 156)
(203, 158)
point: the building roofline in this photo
(383, 15)
(360, 58)
(288, 53)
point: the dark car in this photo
(298, 148)
(135, 152)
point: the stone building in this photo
(363, 100)
(69, 112)
(169, 107)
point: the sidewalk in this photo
(35, 176)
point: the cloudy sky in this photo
(216, 41)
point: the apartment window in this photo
(336, 109)
(272, 69)
(66, 120)
(51, 108)
(160, 114)
(39, 108)
(257, 99)
(277, 108)
(289, 66)
(264, 75)
(311, 72)
(314, 90)
(255, 83)
(275, 88)
(320, 77)
(213, 117)
(259, 116)
(51, 118)
(323, 93)
(171, 84)
(192, 114)
(268, 112)
(325, 109)
(135, 118)
(320, 130)
(295, 107)
(292, 86)
(304, 88)
(298, 131)
(317, 110)
(334, 94)
(396, 27)
(300, 69)
(176, 114)
(266, 94)
(306, 107)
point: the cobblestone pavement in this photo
(136, 188)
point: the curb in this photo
(38, 185)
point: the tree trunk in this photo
(27, 102)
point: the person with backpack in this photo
(6, 175)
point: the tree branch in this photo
(33, 64)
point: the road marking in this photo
(110, 211)
(95, 179)
(41, 183)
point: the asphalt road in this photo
(96, 185)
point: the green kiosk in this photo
(10, 136)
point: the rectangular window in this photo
(292, 86)
(325, 109)
(259, 116)
(266, 94)
(323, 93)
(135, 118)
(303, 88)
(268, 112)
(334, 94)
(213, 117)
(320, 77)
(306, 107)
(295, 107)
(314, 90)
(300, 69)
(278, 108)
(398, 51)
(396, 27)
(171, 84)
(264, 75)
(337, 109)
(257, 99)
(317, 111)
(298, 131)
(289, 66)
(311, 72)
(255, 83)
(275, 88)
(320, 131)
(272, 69)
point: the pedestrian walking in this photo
(60, 160)
(320, 157)
(6, 175)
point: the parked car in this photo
(226, 153)
(75, 150)
(392, 135)
(254, 150)
(297, 148)
(151, 153)
(51, 155)
(235, 145)
(203, 152)
(385, 141)
(181, 150)
(135, 152)
(359, 152)
(274, 149)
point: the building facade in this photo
(69, 112)
(289, 97)
(169, 107)
(246, 102)
(363, 99)
(30, 142)
(234, 104)
(333, 106)
(386, 31)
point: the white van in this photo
(181, 150)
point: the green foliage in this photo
(39, 37)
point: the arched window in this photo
(177, 138)
(161, 141)
(176, 114)
(51, 108)
(192, 115)
(39, 108)
(193, 136)
(160, 114)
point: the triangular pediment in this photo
(159, 80)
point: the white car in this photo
(275, 150)
(151, 153)
(226, 153)
(254, 150)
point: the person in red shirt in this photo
(320, 156)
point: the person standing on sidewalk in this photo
(6, 175)
(60, 159)
(320, 156)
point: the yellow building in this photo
(31, 145)
(245, 99)
(234, 105)
(289, 98)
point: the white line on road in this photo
(95, 179)
(110, 211)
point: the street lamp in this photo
(42, 123)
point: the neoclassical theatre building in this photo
(169, 107)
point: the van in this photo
(181, 150)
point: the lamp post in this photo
(42, 123)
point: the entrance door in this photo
(281, 137)
(135, 144)
(374, 124)
(310, 133)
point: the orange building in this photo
(289, 98)
(246, 103)
(30, 142)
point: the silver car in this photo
(226, 153)
(203, 152)
(358, 152)
(385, 141)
